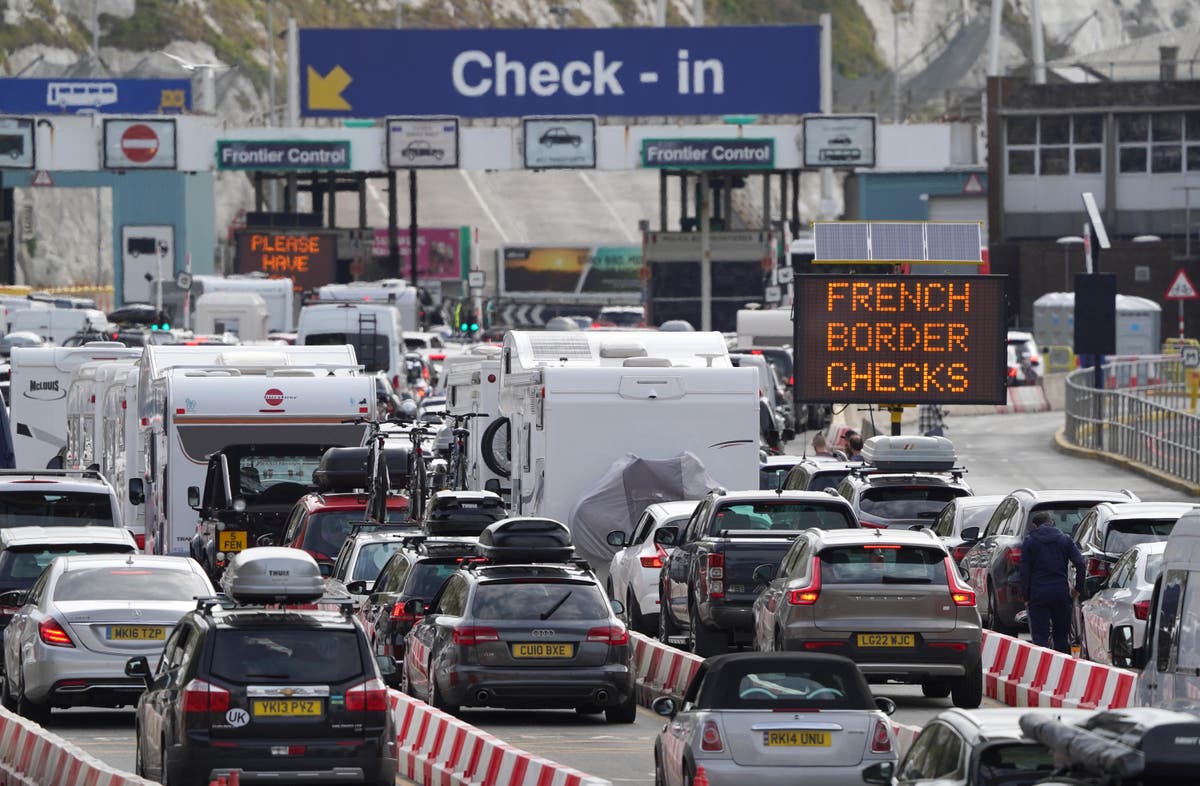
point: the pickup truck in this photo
(707, 586)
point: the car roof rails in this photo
(92, 474)
(382, 528)
(526, 540)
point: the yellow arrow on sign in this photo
(325, 92)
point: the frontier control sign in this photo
(708, 153)
(901, 339)
(283, 155)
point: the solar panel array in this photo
(884, 242)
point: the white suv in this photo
(633, 572)
(57, 498)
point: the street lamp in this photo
(1066, 242)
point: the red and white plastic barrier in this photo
(1026, 398)
(436, 749)
(1021, 674)
(32, 756)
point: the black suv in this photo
(276, 692)
(526, 626)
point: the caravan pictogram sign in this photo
(1182, 288)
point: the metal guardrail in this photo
(1143, 413)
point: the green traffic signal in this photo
(463, 327)
(474, 326)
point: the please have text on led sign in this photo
(901, 339)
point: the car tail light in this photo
(319, 556)
(960, 551)
(957, 646)
(395, 382)
(201, 696)
(714, 575)
(881, 739)
(960, 593)
(872, 525)
(1096, 567)
(369, 696)
(140, 540)
(1141, 609)
(399, 614)
(613, 635)
(807, 596)
(1012, 373)
(710, 737)
(656, 561)
(1013, 556)
(817, 646)
(469, 636)
(53, 634)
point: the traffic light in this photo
(469, 323)
(164, 326)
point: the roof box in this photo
(909, 454)
(463, 513)
(526, 540)
(345, 469)
(273, 574)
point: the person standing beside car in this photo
(1045, 553)
(931, 420)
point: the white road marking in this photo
(612, 211)
(484, 206)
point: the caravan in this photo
(394, 292)
(472, 382)
(577, 402)
(243, 314)
(40, 378)
(276, 293)
(120, 429)
(85, 410)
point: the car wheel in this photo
(164, 775)
(626, 712)
(637, 620)
(437, 701)
(936, 689)
(6, 696)
(994, 621)
(701, 640)
(38, 713)
(967, 691)
(660, 775)
(139, 767)
(666, 624)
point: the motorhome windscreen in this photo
(55, 509)
(779, 516)
(371, 349)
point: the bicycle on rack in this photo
(457, 473)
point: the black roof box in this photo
(463, 513)
(526, 540)
(345, 469)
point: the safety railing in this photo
(1142, 413)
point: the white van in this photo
(1169, 658)
(11, 305)
(40, 379)
(374, 330)
(243, 314)
(56, 325)
(394, 291)
(277, 293)
(764, 327)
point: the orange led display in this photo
(901, 339)
(308, 258)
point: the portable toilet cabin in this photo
(1139, 323)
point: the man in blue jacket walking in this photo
(1045, 553)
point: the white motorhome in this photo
(393, 291)
(166, 502)
(577, 402)
(40, 379)
(472, 383)
(277, 293)
(120, 427)
(764, 328)
(243, 314)
(373, 329)
(85, 410)
(56, 325)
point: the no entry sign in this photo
(139, 144)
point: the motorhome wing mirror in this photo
(616, 539)
(492, 485)
(970, 534)
(193, 497)
(1124, 655)
(666, 536)
(764, 574)
(137, 491)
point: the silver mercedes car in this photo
(83, 619)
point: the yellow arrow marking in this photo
(325, 92)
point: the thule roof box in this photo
(345, 469)
(910, 454)
(463, 513)
(526, 540)
(273, 574)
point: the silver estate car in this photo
(83, 619)
(890, 600)
(775, 719)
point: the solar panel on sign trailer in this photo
(954, 242)
(900, 241)
(841, 241)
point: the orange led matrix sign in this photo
(308, 258)
(901, 339)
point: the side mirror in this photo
(617, 606)
(326, 569)
(265, 539)
(387, 665)
(616, 539)
(666, 536)
(492, 485)
(193, 497)
(137, 491)
(1092, 585)
(357, 587)
(789, 434)
(139, 667)
(886, 705)
(415, 608)
(13, 599)
(664, 706)
(970, 534)
(764, 574)
(1124, 654)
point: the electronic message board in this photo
(901, 339)
(307, 258)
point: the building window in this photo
(1192, 134)
(1193, 158)
(1055, 145)
(1155, 141)
(1133, 159)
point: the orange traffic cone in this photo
(701, 779)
